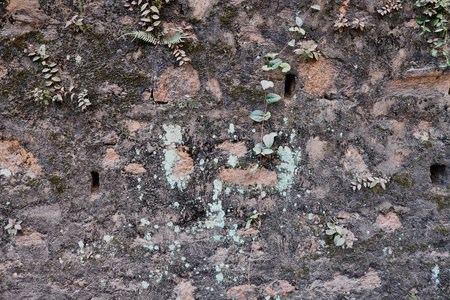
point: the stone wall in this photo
(147, 193)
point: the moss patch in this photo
(21, 41)
(442, 202)
(404, 179)
(58, 184)
(227, 19)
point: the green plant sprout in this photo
(53, 91)
(372, 182)
(251, 219)
(264, 147)
(77, 23)
(150, 21)
(390, 6)
(436, 21)
(13, 226)
(341, 236)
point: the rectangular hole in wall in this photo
(289, 86)
(95, 182)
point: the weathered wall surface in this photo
(172, 149)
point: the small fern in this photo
(175, 39)
(143, 36)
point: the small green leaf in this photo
(52, 65)
(257, 116)
(56, 79)
(270, 55)
(48, 83)
(339, 241)
(275, 63)
(255, 167)
(285, 67)
(155, 9)
(144, 6)
(268, 139)
(301, 31)
(36, 58)
(316, 7)
(272, 98)
(45, 70)
(47, 76)
(155, 17)
(145, 13)
(156, 23)
(267, 151)
(267, 116)
(54, 70)
(146, 20)
(291, 43)
(266, 84)
(257, 149)
(299, 21)
(266, 68)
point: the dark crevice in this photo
(289, 85)
(95, 182)
(438, 174)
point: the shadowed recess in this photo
(289, 85)
(95, 182)
(438, 174)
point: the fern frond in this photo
(144, 36)
(173, 39)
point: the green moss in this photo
(194, 49)
(404, 179)
(427, 144)
(58, 184)
(33, 183)
(194, 21)
(415, 247)
(442, 202)
(231, 12)
(442, 230)
(304, 272)
(21, 41)
(252, 95)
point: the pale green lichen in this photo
(287, 168)
(217, 189)
(108, 238)
(144, 222)
(216, 214)
(173, 134)
(435, 274)
(145, 285)
(232, 234)
(81, 245)
(292, 136)
(170, 158)
(231, 129)
(5, 172)
(233, 161)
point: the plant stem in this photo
(260, 155)
(81, 8)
